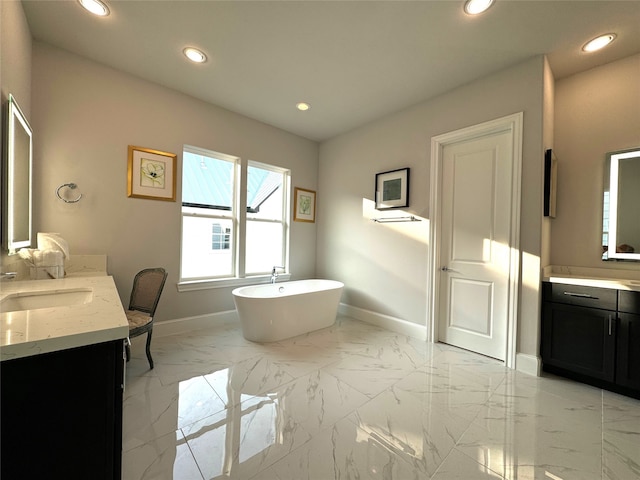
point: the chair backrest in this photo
(147, 288)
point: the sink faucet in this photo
(274, 273)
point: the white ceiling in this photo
(352, 61)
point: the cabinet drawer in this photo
(579, 295)
(629, 301)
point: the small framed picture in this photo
(304, 205)
(392, 189)
(151, 174)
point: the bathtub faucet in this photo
(274, 273)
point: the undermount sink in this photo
(17, 302)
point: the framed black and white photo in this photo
(392, 189)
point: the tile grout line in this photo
(195, 460)
(471, 423)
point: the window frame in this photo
(239, 220)
(284, 218)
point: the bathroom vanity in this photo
(591, 331)
(62, 367)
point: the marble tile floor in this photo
(358, 402)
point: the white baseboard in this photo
(181, 325)
(530, 364)
(188, 324)
(385, 321)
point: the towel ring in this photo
(72, 186)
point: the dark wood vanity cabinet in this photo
(578, 330)
(628, 347)
(592, 335)
(61, 414)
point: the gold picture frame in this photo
(151, 174)
(304, 208)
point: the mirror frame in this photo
(16, 123)
(610, 205)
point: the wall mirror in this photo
(621, 212)
(17, 172)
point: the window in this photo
(220, 237)
(265, 235)
(227, 234)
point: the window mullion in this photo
(286, 212)
(263, 220)
(240, 199)
(205, 215)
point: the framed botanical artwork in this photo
(392, 189)
(304, 205)
(151, 174)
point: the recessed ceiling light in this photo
(195, 55)
(95, 6)
(303, 106)
(474, 7)
(599, 42)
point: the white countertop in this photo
(602, 278)
(32, 332)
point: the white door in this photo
(475, 237)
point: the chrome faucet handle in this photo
(274, 273)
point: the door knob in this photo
(450, 270)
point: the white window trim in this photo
(240, 220)
(212, 283)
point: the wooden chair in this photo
(145, 294)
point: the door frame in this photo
(512, 124)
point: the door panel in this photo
(472, 205)
(475, 251)
(473, 318)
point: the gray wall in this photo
(548, 140)
(15, 67)
(15, 56)
(597, 111)
(384, 267)
(84, 117)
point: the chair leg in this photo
(149, 349)
(127, 349)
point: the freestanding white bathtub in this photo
(273, 312)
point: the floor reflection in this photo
(355, 401)
(250, 432)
